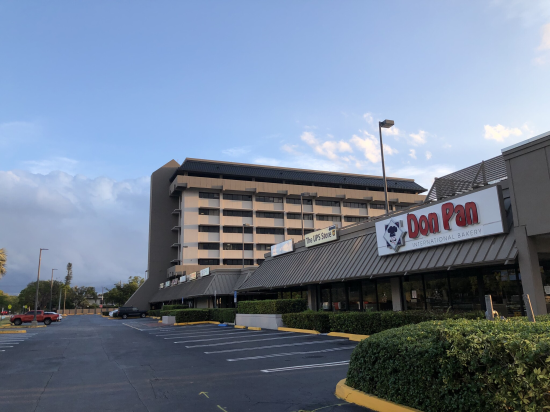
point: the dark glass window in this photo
(296, 201)
(464, 291)
(369, 295)
(333, 203)
(211, 229)
(262, 246)
(413, 290)
(259, 261)
(269, 199)
(235, 262)
(354, 293)
(505, 290)
(238, 213)
(355, 205)
(238, 246)
(377, 206)
(209, 246)
(329, 218)
(270, 231)
(268, 180)
(400, 207)
(209, 261)
(237, 229)
(228, 196)
(211, 212)
(383, 290)
(437, 291)
(338, 295)
(299, 231)
(325, 299)
(355, 219)
(210, 175)
(208, 195)
(298, 216)
(270, 215)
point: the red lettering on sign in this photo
(471, 213)
(424, 227)
(447, 212)
(460, 216)
(412, 225)
(433, 221)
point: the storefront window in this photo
(287, 295)
(505, 290)
(545, 272)
(354, 292)
(338, 294)
(437, 291)
(325, 299)
(464, 292)
(369, 295)
(383, 288)
(413, 289)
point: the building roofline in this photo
(525, 142)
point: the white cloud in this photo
(417, 139)
(369, 146)
(412, 153)
(424, 175)
(46, 166)
(368, 118)
(389, 150)
(500, 133)
(328, 148)
(290, 148)
(236, 151)
(545, 38)
(94, 223)
(392, 131)
(428, 155)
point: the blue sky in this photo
(94, 96)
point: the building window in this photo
(238, 213)
(238, 246)
(413, 290)
(269, 199)
(355, 205)
(329, 218)
(400, 207)
(296, 201)
(377, 206)
(261, 246)
(208, 195)
(209, 229)
(333, 203)
(246, 198)
(368, 288)
(259, 261)
(384, 295)
(355, 219)
(299, 231)
(236, 229)
(236, 262)
(298, 216)
(198, 174)
(270, 215)
(210, 212)
(268, 180)
(209, 246)
(207, 262)
(270, 231)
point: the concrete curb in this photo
(21, 326)
(351, 395)
(312, 332)
(13, 331)
(350, 336)
(254, 328)
(206, 322)
(239, 327)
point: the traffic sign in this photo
(100, 306)
(9, 306)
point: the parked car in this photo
(29, 317)
(125, 312)
(53, 313)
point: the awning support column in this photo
(396, 293)
(529, 267)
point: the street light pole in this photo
(34, 322)
(386, 124)
(51, 291)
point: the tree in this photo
(27, 295)
(69, 276)
(6, 300)
(81, 295)
(3, 259)
(120, 294)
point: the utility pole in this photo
(59, 304)
(34, 322)
(64, 299)
(51, 291)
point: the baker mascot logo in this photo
(394, 235)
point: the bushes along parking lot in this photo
(276, 306)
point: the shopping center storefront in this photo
(483, 230)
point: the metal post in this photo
(34, 322)
(59, 304)
(528, 308)
(51, 291)
(383, 168)
(489, 314)
(243, 245)
(302, 213)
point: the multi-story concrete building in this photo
(200, 209)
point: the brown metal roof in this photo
(358, 258)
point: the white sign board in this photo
(466, 217)
(182, 278)
(192, 276)
(167, 284)
(325, 235)
(204, 272)
(281, 248)
(161, 286)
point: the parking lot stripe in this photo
(218, 331)
(232, 337)
(276, 346)
(246, 341)
(275, 355)
(317, 365)
(202, 335)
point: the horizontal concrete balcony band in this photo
(209, 220)
(268, 222)
(238, 237)
(267, 206)
(208, 237)
(297, 223)
(327, 210)
(237, 204)
(269, 239)
(209, 254)
(214, 203)
(238, 254)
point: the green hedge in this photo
(191, 315)
(105, 313)
(152, 312)
(319, 321)
(225, 315)
(173, 307)
(276, 306)
(457, 366)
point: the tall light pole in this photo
(51, 291)
(34, 322)
(386, 124)
(244, 225)
(302, 210)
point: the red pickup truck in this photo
(29, 316)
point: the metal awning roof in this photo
(358, 258)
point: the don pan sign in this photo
(466, 217)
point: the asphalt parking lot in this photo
(90, 363)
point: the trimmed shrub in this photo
(457, 366)
(152, 312)
(191, 315)
(173, 307)
(319, 321)
(223, 315)
(276, 306)
(105, 313)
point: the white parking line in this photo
(275, 355)
(177, 329)
(232, 337)
(277, 346)
(317, 365)
(133, 327)
(190, 335)
(7, 347)
(246, 341)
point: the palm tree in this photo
(3, 259)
